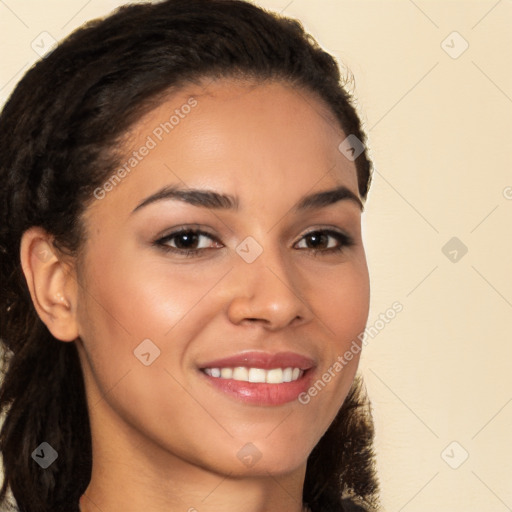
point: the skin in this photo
(163, 438)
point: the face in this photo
(219, 287)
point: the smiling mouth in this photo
(256, 375)
(260, 378)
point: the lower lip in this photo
(262, 393)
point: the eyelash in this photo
(344, 241)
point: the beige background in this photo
(440, 130)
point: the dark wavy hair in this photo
(59, 132)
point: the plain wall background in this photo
(439, 127)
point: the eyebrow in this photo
(215, 200)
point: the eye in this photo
(187, 242)
(192, 242)
(326, 241)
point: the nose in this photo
(268, 291)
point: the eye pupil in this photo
(317, 239)
(190, 239)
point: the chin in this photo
(259, 459)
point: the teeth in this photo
(272, 376)
(287, 374)
(275, 376)
(257, 375)
(226, 373)
(241, 373)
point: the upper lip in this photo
(264, 360)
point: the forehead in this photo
(260, 140)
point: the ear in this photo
(51, 282)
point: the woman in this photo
(185, 282)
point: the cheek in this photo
(127, 300)
(342, 300)
(146, 296)
(342, 306)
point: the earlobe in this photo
(51, 283)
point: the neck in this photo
(202, 492)
(132, 473)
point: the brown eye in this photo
(188, 242)
(326, 241)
